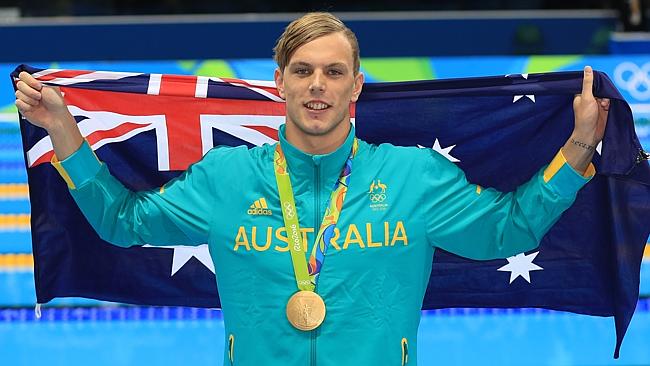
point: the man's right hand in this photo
(44, 107)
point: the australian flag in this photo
(500, 130)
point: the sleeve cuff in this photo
(79, 167)
(566, 180)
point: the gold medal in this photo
(306, 310)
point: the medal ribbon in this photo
(307, 272)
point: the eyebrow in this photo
(303, 63)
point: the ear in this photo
(358, 85)
(279, 82)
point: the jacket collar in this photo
(302, 165)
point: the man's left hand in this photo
(590, 112)
(590, 121)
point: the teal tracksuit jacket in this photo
(402, 204)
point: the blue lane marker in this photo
(14, 206)
(11, 165)
(11, 155)
(15, 242)
(108, 314)
(147, 313)
(14, 174)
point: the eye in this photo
(335, 72)
(301, 71)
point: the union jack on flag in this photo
(182, 110)
(500, 130)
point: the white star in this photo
(525, 76)
(446, 152)
(521, 265)
(517, 97)
(182, 255)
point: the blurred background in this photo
(400, 40)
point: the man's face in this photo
(319, 84)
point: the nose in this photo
(317, 83)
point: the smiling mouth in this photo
(316, 106)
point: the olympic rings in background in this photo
(633, 79)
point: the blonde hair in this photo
(306, 29)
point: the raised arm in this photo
(590, 121)
(480, 223)
(45, 108)
(177, 214)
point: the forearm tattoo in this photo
(582, 145)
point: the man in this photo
(375, 213)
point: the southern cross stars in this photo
(517, 97)
(521, 265)
(446, 151)
(182, 254)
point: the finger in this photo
(28, 90)
(25, 98)
(577, 102)
(22, 106)
(603, 102)
(587, 82)
(30, 80)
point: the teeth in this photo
(317, 106)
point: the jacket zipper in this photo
(316, 227)
(231, 349)
(405, 351)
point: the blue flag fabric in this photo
(499, 130)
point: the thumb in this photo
(53, 93)
(53, 99)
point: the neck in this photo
(317, 144)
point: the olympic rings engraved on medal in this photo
(377, 197)
(288, 210)
(634, 79)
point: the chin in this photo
(320, 130)
(317, 128)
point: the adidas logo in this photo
(259, 207)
